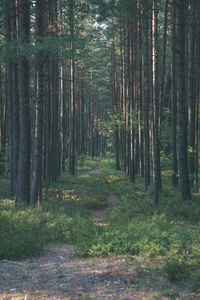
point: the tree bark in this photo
(146, 97)
(115, 100)
(72, 112)
(9, 98)
(174, 95)
(156, 157)
(182, 115)
(192, 93)
(38, 109)
(23, 182)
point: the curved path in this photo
(99, 215)
(96, 169)
(59, 274)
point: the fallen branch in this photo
(10, 262)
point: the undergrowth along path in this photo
(60, 274)
(94, 171)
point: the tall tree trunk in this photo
(16, 125)
(115, 100)
(197, 90)
(133, 42)
(140, 92)
(72, 112)
(163, 63)
(192, 93)
(2, 129)
(146, 97)
(23, 182)
(9, 96)
(92, 118)
(182, 115)
(156, 157)
(174, 95)
(127, 107)
(38, 110)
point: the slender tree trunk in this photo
(192, 94)
(72, 112)
(163, 63)
(38, 131)
(197, 90)
(92, 118)
(115, 100)
(174, 95)
(23, 182)
(2, 131)
(155, 104)
(16, 125)
(132, 98)
(9, 96)
(140, 92)
(146, 97)
(182, 115)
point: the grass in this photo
(169, 236)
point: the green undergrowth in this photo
(26, 231)
(169, 235)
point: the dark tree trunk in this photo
(16, 124)
(72, 111)
(9, 96)
(115, 100)
(38, 109)
(174, 95)
(156, 158)
(182, 115)
(197, 71)
(140, 92)
(146, 98)
(92, 118)
(133, 42)
(192, 94)
(163, 63)
(23, 182)
(2, 129)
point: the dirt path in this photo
(59, 274)
(99, 215)
(96, 169)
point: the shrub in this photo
(177, 270)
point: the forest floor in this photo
(60, 274)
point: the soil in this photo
(96, 169)
(59, 274)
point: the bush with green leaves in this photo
(26, 231)
(177, 270)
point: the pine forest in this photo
(99, 141)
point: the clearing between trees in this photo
(120, 249)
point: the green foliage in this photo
(150, 237)
(4, 187)
(19, 233)
(195, 280)
(170, 235)
(177, 270)
(84, 232)
(25, 231)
